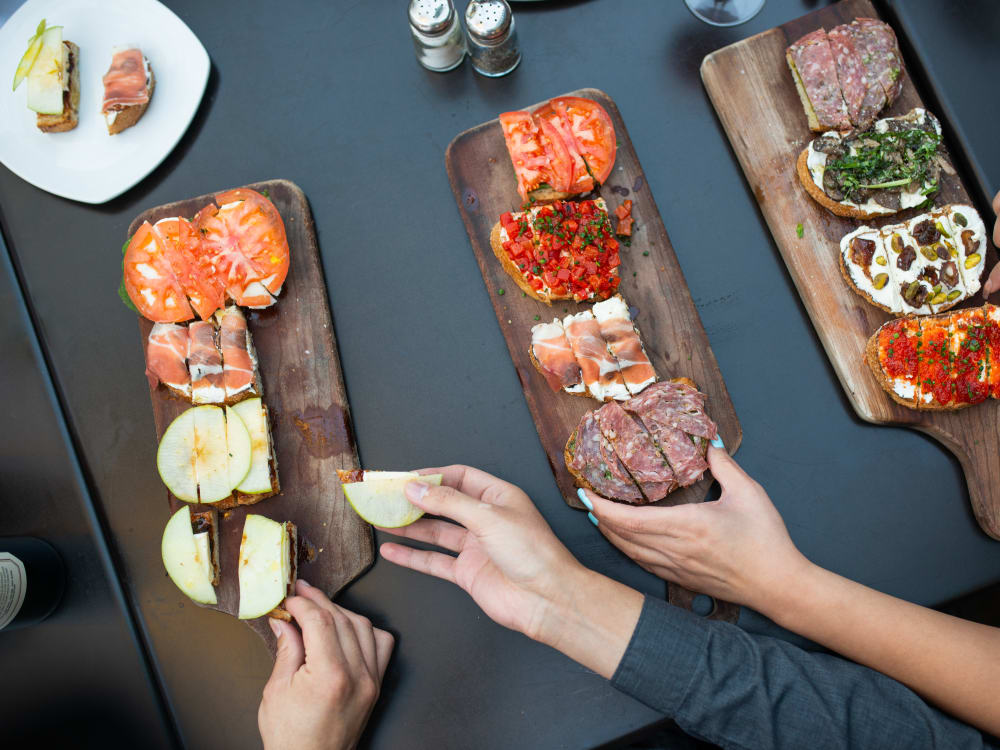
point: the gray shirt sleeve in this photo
(738, 690)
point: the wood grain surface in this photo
(484, 185)
(753, 93)
(309, 413)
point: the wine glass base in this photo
(724, 12)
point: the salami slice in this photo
(685, 458)
(876, 42)
(594, 459)
(814, 64)
(862, 92)
(637, 452)
(681, 407)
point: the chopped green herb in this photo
(645, 252)
(799, 230)
(501, 292)
(538, 317)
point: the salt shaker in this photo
(437, 34)
(491, 37)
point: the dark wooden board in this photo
(484, 185)
(310, 416)
(752, 91)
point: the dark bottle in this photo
(32, 580)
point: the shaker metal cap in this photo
(487, 19)
(431, 16)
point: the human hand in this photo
(993, 281)
(734, 548)
(509, 561)
(326, 678)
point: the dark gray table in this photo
(330, 96)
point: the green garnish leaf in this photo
(799, 230)
(122, 292)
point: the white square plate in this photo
(87, 164)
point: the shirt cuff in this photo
(663, 655)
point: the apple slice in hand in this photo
(188, 563)
(265, 566)
(381, 500)
(258, 478)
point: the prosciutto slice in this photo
(623, 342)
(238, 360)
(600, 370)
(205, 365)
(635, 448)
(594, 459)
(125, 81)
(166, 357)
(552, 350)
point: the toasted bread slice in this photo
(514, 272)
(871, 357)
(581, 481)
(814, 123)
(129, 116)
(70, 116)
(817, 194)
(279, 612)
(208, 520)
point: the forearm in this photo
(592, 620)
(952, 663)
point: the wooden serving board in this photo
(309, 413)
(753, 93)
(484, 185)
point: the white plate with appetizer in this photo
(103, 91)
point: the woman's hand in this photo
(735, 548)
(514, 567)
(326, 678)
(993, 282)
(509, 561)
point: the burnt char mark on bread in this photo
(70, 116)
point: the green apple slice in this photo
(239, 446)
(258, 478)
(47, 76)
(382, 502)
(263, 573)
(30, 55)
(211, 454)
(188, 566)
(175, 458)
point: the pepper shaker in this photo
(437, 34)
(491, 37)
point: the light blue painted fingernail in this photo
(717, 442)
(584, 499)
(592, 518)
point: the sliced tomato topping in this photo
(592, 132)
(537, 154)
(245, 239)
(580, 179)
(150, 280)
(192, 268)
